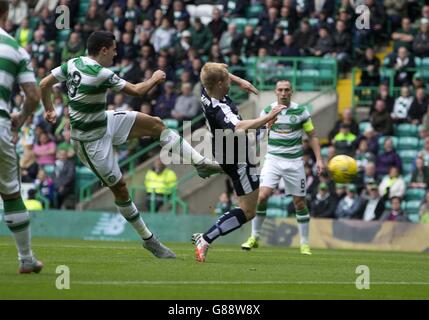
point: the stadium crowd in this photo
(163, 34)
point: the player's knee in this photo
(249, 213)
(299, 203)
(120, 190)
(158, 126)
(263, 197)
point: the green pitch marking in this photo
(124, 270)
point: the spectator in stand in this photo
(388, 159)
(368, 176)
(45, 150)
(421, 41)
(372, 139)
(420, 176)
(165, 102)
(424, 210)
(289, 49)
(347, 118)
(94, 20)
(312, 181)
(425, 152)
(324, 203)
(28, 166)
(215, 54)
(234, 8)
(246, 44)
(288, 21)
(159, 184)
(236, 66)
(370, 66)
(402, 62)
(396, 213)
(266, 27)
(425, 121)
(343, 46)
(63, 178)
(383, 94)
(187, 105)
(45, 186)
(201, 37)
(218, 25)
(24, 35)
(418, 107)
(305, 38)
(363, 156)
(392, 185)
(344, 141)
(351, 206)
(51, 4)
(395, 10)
(182, 46)
(404, 36)
(340, 191)
(324, 44)
(402, 105)
(39, 48)
(73, 48)
(227, 39)
(163, 35)
(179, 11)
(381, 121)
(373, 204)
(18, 11)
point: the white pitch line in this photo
(125, 283)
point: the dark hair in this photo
(98, 40)
(4, 6)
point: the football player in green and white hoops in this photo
(284, 160)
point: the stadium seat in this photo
(171, 123)
(63, 35)
(240, 23)
(83, 8)
(408, 143)
(425, 63)
(413, 206)
(414, 217)
(408, 156)
(363, 126)
(406, 130)
(407, 178)
(324, 152)
(49, 170)
(421, 144)
(407, 167)
(415, 194)
(417, 61)
(254, 11)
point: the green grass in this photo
(124, 270)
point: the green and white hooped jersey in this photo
(285, 135)
(87, 83)
(15, 66)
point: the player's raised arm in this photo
(243, 84)
(244, 125)
(46, 88)
(140, 89)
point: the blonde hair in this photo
(212, 73)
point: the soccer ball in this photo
(343, 169)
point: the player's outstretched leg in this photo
(303, 219)
(18, 221)
(147, 126)
(227, 223)
(129, 211)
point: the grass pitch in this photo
(124, 270)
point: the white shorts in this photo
(99, 155)
(292, 172)
(9, 172)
